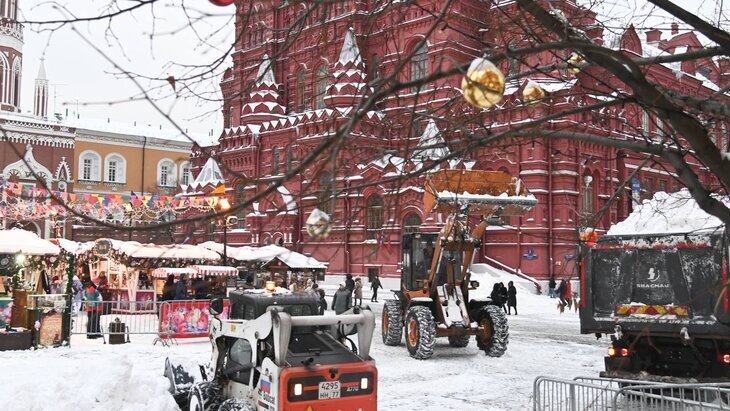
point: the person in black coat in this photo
(551, 288)
(496, 295)
(349, 283)
(511, 298)
(503, 296)
(168, 290)
(374, 285)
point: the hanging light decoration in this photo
(222, 3)
(532, 93)
(483, 85)
(319, 224)
(574, 60)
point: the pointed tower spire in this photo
(349, 75)
(40, 102)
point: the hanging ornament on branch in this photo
(222, 3)
(483, 85)
(532, 93)
(319, 224)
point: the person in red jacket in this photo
(568, 295)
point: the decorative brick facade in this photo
(277, 114)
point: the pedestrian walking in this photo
(92, 298)
(511, 298)
(560, 292)
(551, 287)
(319, 293)
(496, 295)
(168, 290)
(342, 300)
(358, 291)
(374, 285)
(568, 294)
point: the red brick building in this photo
(276, 114)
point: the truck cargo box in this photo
(656, 284)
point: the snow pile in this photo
(667, 213)
(488, 275)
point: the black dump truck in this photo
(663, 300)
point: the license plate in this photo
(329, 390)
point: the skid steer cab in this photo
(277, 353)
(433, 300)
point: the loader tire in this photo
(420, 332)
(234, 404)
(493, 341)
(392, 323)
(205, 396)
(459, 340)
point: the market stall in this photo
(126, 267)
(273, 263)
(26, 264)
(189, 318)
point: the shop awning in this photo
(17, 241)
(163, 272)
(133, 249)
(266, 254)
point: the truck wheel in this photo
(392, 323)
(459, 340)
(204, 396)
(233, 404)
(494, 338)
(420, 332)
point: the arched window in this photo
(275, 160)
(3, 74)
(185, 175)
(412, 223)
(239, 193)
(90, 166)
(166, 173)
(375, 73)
(325, 193)
(374, 216)
(230, 117)
(419, 65)
(115, 169)
(300, 91)
(587, 198)
(289, 156)
(16, 82)
(320, 87)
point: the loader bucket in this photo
(484, 192)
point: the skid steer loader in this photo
(277, 353)
(435, 279)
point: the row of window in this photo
(115, 169)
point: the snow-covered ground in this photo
(92, 376)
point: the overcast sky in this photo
(79, 74)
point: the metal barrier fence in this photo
(168, 320)
(589, 394)
(674, 397)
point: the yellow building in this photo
(143, 160)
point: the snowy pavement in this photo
(94, 376)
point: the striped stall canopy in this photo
(658, 310)
(163, 272)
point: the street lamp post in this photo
(225, 206)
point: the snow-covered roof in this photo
(350, 53)
(265, 74)
(210, 175)
(668, 213)
(133, 249)
(266, 254)
(431, 145)
(17, 241)
(290, 203)
(74, 247)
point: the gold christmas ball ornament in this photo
(532, 93)
(319, 224)
(574, 60)
(483, 85)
